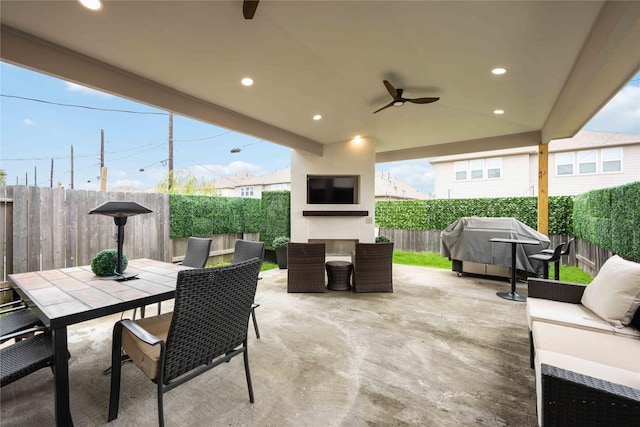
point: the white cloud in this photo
(72, 87)
(28, 122)
(621, 114)
(416, 173)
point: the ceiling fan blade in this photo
(386, 106)
(392, 90)
(249, 8)
(422, 100)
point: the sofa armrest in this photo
(572, 399)
(554, 290)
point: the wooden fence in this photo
(44, 228)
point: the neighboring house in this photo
(246, 185)
(588, 161)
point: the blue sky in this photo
(32, 133)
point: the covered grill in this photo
(467, 241)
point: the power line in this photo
(83, 106)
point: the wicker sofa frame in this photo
(573, 399)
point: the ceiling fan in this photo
(398, 100)
(249, 8)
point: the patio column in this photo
(543, 188)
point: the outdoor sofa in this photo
(585, 347)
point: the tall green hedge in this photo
(439, 213)
(610, 218)
(275, 216)
(191, 215)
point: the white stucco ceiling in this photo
(565, 60)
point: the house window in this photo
(246, 191)
(611, 159)
(477, 169)
(494, 167)
(564, 164)
(587, 161)
(461, 170)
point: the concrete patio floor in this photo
(441, 350)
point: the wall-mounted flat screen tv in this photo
(332, 189)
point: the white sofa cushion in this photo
(607, 349)
(576, 315)
(614, 294)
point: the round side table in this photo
(339, 275)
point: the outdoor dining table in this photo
(67, 296)
(513, 295)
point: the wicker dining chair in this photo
(196, 256)
(208, 327)
(372, 267)
(197, 252)
(25, 356)
(15, 316)
(245, 250)
(305, 267)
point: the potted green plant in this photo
(280, 245)
(382, 239)
(106, 261)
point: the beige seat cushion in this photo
(575, 315)
(146, 356)
(614, 294)
(606, 349)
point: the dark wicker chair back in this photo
(15, 316)
(25, 356)
(245, 250)
(208, 327)
(305, 267)
(372, 267)
(197, 252)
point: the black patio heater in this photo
(120, 211)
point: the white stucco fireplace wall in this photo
(347, 224)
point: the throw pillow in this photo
(614, 294)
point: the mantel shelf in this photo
(335, 213)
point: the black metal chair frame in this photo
(208, 327)
(243, 251)
(548, 258)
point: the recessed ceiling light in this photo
(357, 139)
(317, 117)
(499, 70)
(498, 111)
(247, 81)
(91, 4)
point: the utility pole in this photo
(35, 176)
(103, 170)
(170, 178)
(72, 166)
(51, 175)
